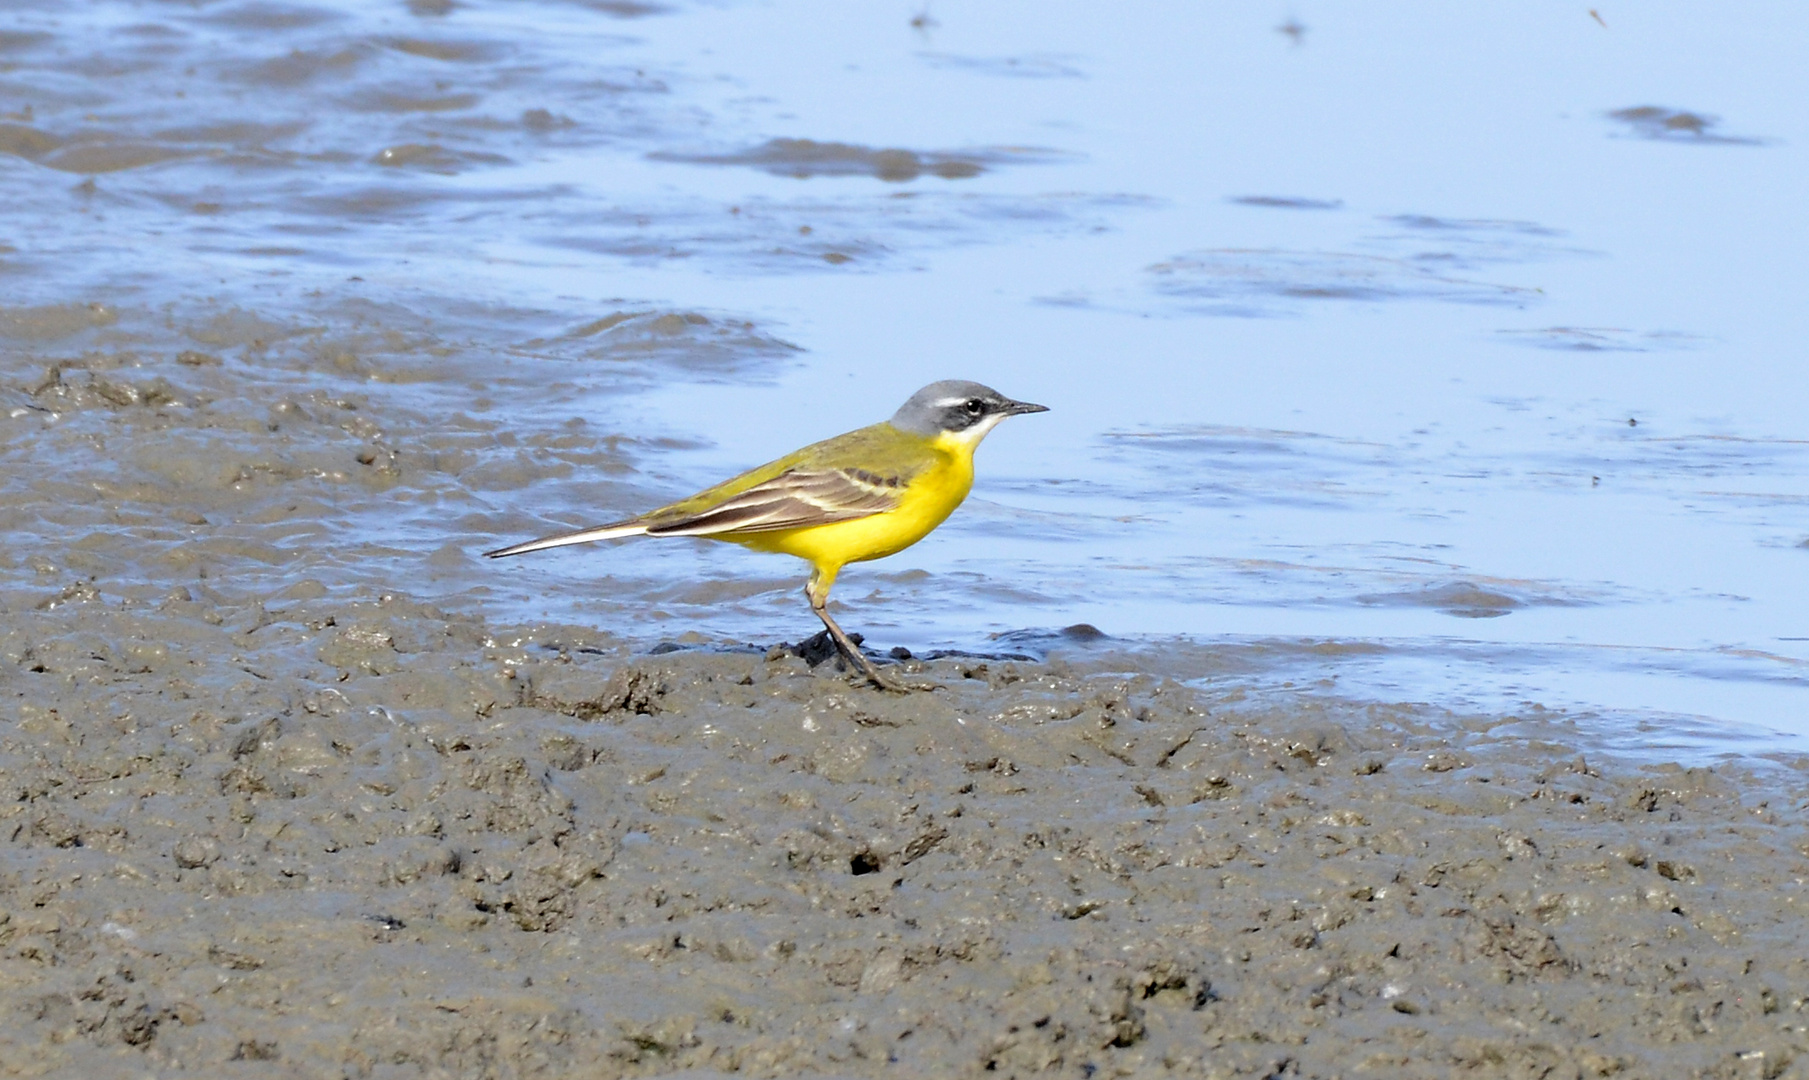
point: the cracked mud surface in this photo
(384, 840)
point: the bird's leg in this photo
(818, 591)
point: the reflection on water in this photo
(1356, 384)
(1252, 276)
(1288, 202)
(1600, 339)
(1016, 67)
(768, 235)
(1419, 257)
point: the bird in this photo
(863, 495)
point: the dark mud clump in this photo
(1678, 125)
(1464, 599)
(381, 839)
(804, 158)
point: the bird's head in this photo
(959, 410)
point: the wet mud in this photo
(379, 838)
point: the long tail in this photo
(582, 536)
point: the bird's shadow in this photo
(820, 647)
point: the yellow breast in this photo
(925, 503)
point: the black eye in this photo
(974, 406)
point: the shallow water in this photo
(1428, 354)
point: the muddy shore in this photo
(384, 840)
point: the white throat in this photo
(971, 436)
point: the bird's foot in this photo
(823, 645)
(883, 681)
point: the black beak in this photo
(1018, 408)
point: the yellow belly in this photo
(927, 503)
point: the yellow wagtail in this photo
(863, 495)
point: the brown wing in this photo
(795, 499)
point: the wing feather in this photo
(795, 499)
